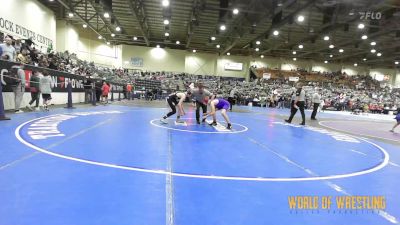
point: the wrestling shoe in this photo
(303, 123)
(179, 121)
(213, 123)
(229, 127)
(164, 121)
(287, 121)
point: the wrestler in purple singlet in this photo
(222, 104)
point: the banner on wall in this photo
(59, 79)
(234, 66)
(267, 76)
(137, 61)
(379, 77)
(16, 30)
(294, 79)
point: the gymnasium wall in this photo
(154, 59)
(28, 19)
(164, 59)
(397, 79)
(86, 45)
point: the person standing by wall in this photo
(18, 86)
(105, 91)
(316, 100)
(45, 89)
(98, 86)
(129, 91)
(34, 88)
(87, 85)
(298, 104)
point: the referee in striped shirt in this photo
(298, 104)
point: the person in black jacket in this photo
(98, 86)
(87, 85)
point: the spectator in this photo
(87, 85)
(19, 86)
(105, 91)
(8, 49)
(34, 84)
(23, 57)
(45, 89)
(129, 91)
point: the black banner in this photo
(59, 79)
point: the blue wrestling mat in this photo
(119, 165)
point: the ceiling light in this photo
(135, 38)
(300, 18)
(355, 64)
(373, 43)
(84, 25)
(341, 50)
(294, 59)
(178, 42)
(166, 34)
(276, 33)
(108, 43)
(106, 15)
(257, 49)
(166, 22)
(258, 42)
(361, 26)
(331, 46)
(158, 46)
(373, 50)
(222, 27)
(118, 28)
(194, 51)
(100, 37)
(165, 3)
(301, 46)
(364, 59)
(228, 53)
(326, 38)
(51, 0)
(262, 56)
(364, 37)
(331, 56)
(213, 38)
(294, 52)
(112, 35)
(379, 54)
(397, 63)
(218, 46)
(70, 14)
(325, 61)
(235, 11)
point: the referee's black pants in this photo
(293, 111)
(314, 112)
(203, 106)
(231, 101)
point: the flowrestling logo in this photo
(47, 127)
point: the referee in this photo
(199, 94)
(316, 100)
(298, 104)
